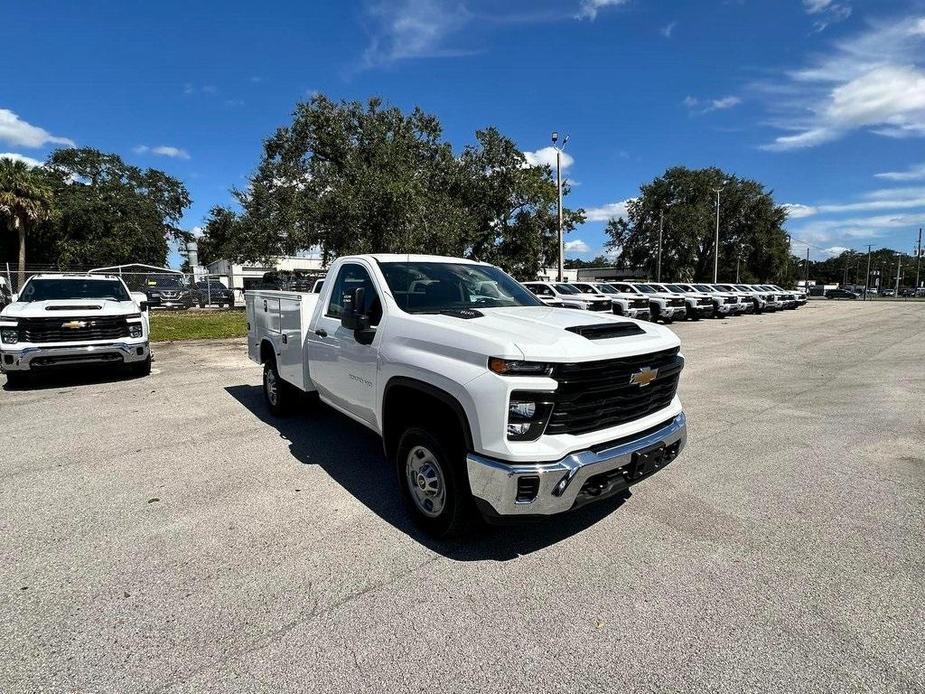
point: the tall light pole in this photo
(716, 242)
(555, 140)
(918, 259)
(867, 278)
(661, 226)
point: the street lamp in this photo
(555, 140)
(716, 242)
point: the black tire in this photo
(666, 320)
(142, 368)
(17, 379)
(202, 304)
(440, 479)
(278, 394)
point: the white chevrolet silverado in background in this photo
(487, 401)
(629, 305)
(73, 320)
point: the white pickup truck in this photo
(61, 320)
(485, 400)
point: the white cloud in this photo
(588, 9)
(577, 246)
(913, 173)
(18, 132)
(29, 161)
(162, 151)
(835, 250)
(696, 105)
(798, 211)
(827, 11)
(197, 232)
(668, 29)
(875, 81)
(547, 155)
(406, 29)
(605, 213)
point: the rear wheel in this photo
(277, 393)
(431, 474)
(202, 304)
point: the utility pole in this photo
(716, 242)
(555, 139)
(867, 277)
(661, 226)
(899, 265)
(806, 271)
(918, 259)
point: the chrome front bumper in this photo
(495, 483)
(22, 359)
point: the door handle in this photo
(321, 332)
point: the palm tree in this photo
(24, 200)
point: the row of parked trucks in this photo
(667, 302)
(493, 398)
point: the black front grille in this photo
(704, 302)
(598, 395)
(639, 303)
(675, 302)
(600, 306)
(89, 329)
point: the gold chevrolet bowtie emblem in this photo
(74, 324)
(644, 376)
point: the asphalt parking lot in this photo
(164, 534)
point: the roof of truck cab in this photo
(415, 258)
(71, 276)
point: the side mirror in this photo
(352, 318)
(141, 299)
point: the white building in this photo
(249, 275)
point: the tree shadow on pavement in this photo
(352, 455)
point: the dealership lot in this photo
(166, 534)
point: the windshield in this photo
(165, 282)
(57, 289)
(742, 288)
(645, 288)
(675, 288)
(212, 286)
(606, 289)
(660, 288)
(436, 287)
(585, 288)
(726, 287)
(566, 289)
(704, 288)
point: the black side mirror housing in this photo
(352, 317)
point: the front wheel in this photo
(141, 368)
(16, 379)
(431, 476)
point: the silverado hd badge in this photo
(644, 376)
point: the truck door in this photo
(343, 370)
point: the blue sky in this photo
(822, 100)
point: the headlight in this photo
(9, 335)
(134, 329)
(506, 367)
(527, 415)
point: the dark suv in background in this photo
(167, 291)
(289, 280)
(212, 292)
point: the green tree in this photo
(221, 235)
(25, 200)
(356, 177)
(751, 228)
(110, 212)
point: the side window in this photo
(349, 278)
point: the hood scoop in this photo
(604, 331)
(465, 313)
(81, 307)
